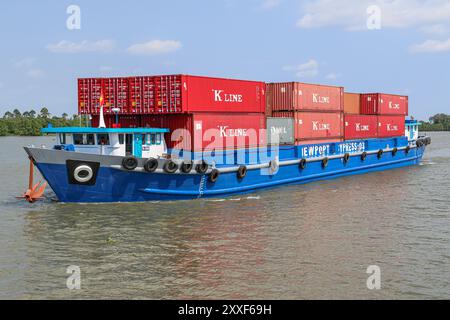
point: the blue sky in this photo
(315, 41)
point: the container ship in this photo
(182, 137)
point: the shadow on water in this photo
(308, 241)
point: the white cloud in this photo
(305, 70)
(352, 14)
(431, 46)
(270, 4)
(155, 47)
(64, 46)
(35, 73)
(332, 76)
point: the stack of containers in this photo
(317, 110)
(390, 110)
(235, 109)
(357, 125)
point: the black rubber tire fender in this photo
(214, 175)
(151, 165)
(325, 162)
(380, 154)
(242, 172)
(346, 157)
(170, 167)
(394, 152)
(186, 167)
(130, 163)
(302, 164)
(364, 156)
(202, 167)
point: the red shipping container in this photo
(208, 131)
(391, 126)
(297, 96)
(384, 104)
(115, 91)
(318, 125)
(283, 114)
(189, 94)
(172, 94)
(360, 127)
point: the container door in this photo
(137, 146)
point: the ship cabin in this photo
(138, 142)
(412, 130)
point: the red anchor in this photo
(35, 191)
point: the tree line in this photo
(438, 122)
(30, 123)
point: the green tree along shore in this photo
(438, 122)
(30, 123)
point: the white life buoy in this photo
(83, 173)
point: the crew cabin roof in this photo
(411, 122)
(103, 130)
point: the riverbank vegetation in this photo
(29, 123)
(438, 122)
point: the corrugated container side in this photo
(269, 101)
(223, 95)
(229, 130)
(352, 103)
(282, 96)
(89, 90)
(319, 125)
(384, 104)
(281, 129)
(283, 114)
(360, 127)
(189, 94)
(170, 94)
(135, 95)
(391, 126)
(115, 91)
(297, 96)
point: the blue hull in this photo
(115, 185)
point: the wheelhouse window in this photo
(84, 139)
(90, 139)
(78, 139)
(121, 139)
(103, 139)
(152, 139)
(62, 138)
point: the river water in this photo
(313, 241)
